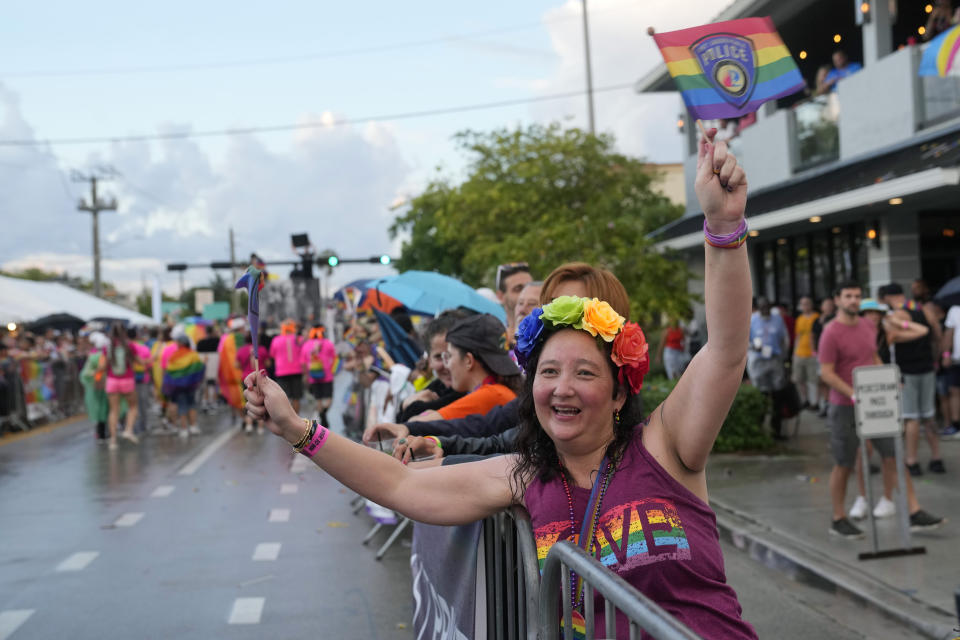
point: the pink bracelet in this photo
(730, 241)
(316, 441)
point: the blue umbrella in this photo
(430, 293)
(398, 344)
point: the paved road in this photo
(225, 536)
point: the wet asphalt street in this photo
(228, 535)
(212, 537)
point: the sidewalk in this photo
(777, 508)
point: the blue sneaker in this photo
(950, 433)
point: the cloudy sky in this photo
(108, 69)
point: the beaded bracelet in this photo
(317, 439)
(731, 241)
(435, 440)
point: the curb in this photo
(10, 438)
(803, 562)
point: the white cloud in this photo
(177, 202)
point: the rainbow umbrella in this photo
(940, 56)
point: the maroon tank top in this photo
(653, 532)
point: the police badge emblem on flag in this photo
(729, 63)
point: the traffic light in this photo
(384, 259)
(333, 261)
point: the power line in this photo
(340, 53)
(211, 133)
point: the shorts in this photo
(919, 395)
(952, 374)
(844, 439)
(766, 374)
(185, 399)
(121, 385)
(805, 370)
(292, 385)
(321, 390)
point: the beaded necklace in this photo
(588, 526)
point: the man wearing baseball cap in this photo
(479, 366)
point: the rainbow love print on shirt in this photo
(628, 535)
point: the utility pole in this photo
(235, 298)
(95, 206)
(586, 51)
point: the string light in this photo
(922, 30)
(837, 38)
(803, 55)
(928, 8)
(815, 219)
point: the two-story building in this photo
(860, 183)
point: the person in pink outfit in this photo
(285, 353)
(317, 358)
(245, 359)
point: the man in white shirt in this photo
(951, 368)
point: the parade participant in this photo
(317, 357)
(479, 366)
(804, 370)
(245, 360)
(94, 382)
(229, 375)
(141, 378)
(579, 416)
(207, 348)
(672, 353)
(848, 342)
(118, 365)
(182, 376)
(285, 352)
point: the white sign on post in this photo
(877, 392)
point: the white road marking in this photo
(299, 464)
(128, 519)
(191, 467)
(289, 488)
(162, 491)
(279, 515)
(11, 620)
(246, 611)
(266, 551)
(77, 561)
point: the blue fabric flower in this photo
(528, 333)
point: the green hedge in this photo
(743, 430)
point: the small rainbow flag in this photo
(728, 69)
(940, 56)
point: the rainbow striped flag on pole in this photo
(728, 69)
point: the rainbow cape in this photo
(939, 58)
(728, 69)
(229, 374)
(184, 371)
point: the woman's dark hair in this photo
(441, 324)
(514, 382)
(537, 454)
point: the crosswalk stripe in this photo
(78, 561)
(289, 488)
(279, 515)
(299, 464)
(162, 491)
(128, 519)
(266, 551)
(11, 620)
(246, 611)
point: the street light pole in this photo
(94, 207)
(586, 51)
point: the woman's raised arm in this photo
(687, 423)
(455, 494)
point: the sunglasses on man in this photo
(508, 269)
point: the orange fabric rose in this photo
(599, 319)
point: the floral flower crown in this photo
(630, 350)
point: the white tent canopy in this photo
(27, 300)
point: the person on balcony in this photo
(646, 516)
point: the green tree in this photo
(547, 195)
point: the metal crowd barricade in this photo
(642, 613)
(512, 576)
(13, 409)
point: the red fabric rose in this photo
(630, 346)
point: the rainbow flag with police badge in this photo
(728, 69)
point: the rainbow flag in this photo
(728, 69)
(940, 56)
(184, 371)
